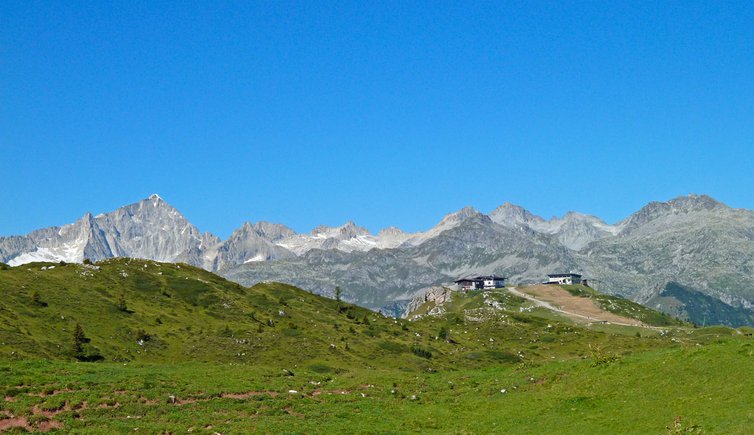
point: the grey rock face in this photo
(150, 228)
(438, 295)
(574, 230)
(692, 241)
(251, 242)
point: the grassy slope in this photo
(207, 344)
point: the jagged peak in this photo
(153, 200)
(272, 231)
(693, 201)
(390, 231)
(509, 213)
(684, 204)
(247, 227)
(460, 215)
(347, 230)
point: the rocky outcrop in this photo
(436, 296)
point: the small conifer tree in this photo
(36, 300)
(122, 303)
(79, 338)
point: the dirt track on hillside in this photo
(582, 310)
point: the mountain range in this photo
(691, 256)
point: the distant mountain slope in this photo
(687, 303)
(574, 230)
(373, 279)
(694, 241)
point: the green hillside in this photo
(178, 349)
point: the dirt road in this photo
(580, 309)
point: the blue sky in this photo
(387, 113)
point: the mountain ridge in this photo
(693, 240)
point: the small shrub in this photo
(443, 333)
(423, 353)
(599, 357)
(680, 427)
(37, 301)
(121, 303)
(225, 332)
(143, 336)
(321, 368)
(87, 261)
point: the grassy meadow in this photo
(172, 349)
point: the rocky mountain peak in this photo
(346, 231)
(390, 231)
(694, 202)
(682, 205)
(512, 215)
(272, 231)
(460, 215)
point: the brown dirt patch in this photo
(49, 425)
(10, 423)
(146, 401)
(49, 413)
(582, 310)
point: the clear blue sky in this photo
(387, 113)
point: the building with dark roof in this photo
(485, 282)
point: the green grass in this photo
(230, 357)
(638, 393)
